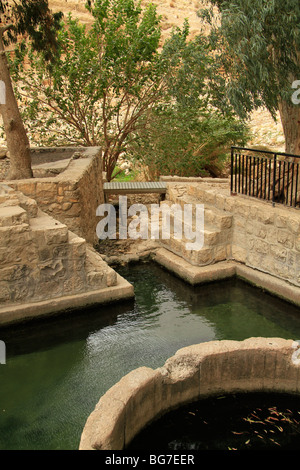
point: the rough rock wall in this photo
(172, 12)
(76, 7)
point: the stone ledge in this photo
(194, 372)
(194, 179)
(274, 285)
(223, 270)
(191, 273)
(27, 311)
(73, 194)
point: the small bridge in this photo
(136, 187)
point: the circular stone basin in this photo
(264, 365)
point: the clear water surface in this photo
(58, 368)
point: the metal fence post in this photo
(274, 179)
(231, 172)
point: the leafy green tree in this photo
(191, 131)
(30, 19)
(256, 45)
(112, 86)
(103, 80)
(187, 143)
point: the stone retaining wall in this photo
(46, 268)
(194, 372)
(73, 195)
(263, 237)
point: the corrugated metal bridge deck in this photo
(136, 187)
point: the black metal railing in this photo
(266, 175)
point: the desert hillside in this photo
(173, 12)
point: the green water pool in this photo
(58, 368)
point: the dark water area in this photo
(58, 368)
(249, 421)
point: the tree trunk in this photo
(16, 137)
(290, 119)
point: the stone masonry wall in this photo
(268, 239)
(73, 195)
(264, 237)
(40, 258)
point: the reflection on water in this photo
(58, 368)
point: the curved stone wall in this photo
(194, 372)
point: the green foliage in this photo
(31, 18)
(122, 175)
(59, 99)
(111, 86)
(256, 44)
(100, 83)
(191, 132)
(187, 143)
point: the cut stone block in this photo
(12, 215)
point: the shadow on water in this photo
(42, 334)
(222, 304)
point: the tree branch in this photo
(5, 28)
